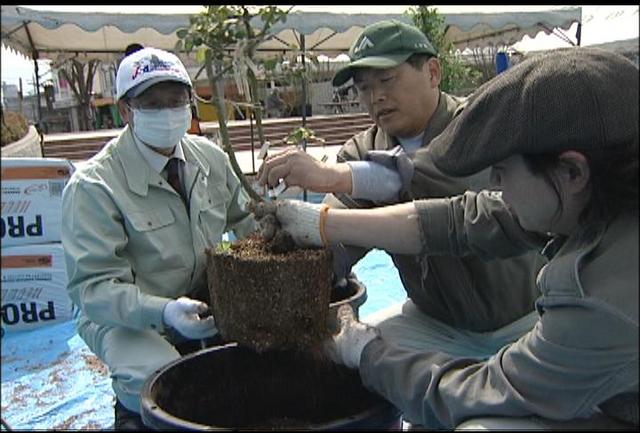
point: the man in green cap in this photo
(396, 72)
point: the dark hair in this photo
(418, 59)
(613, 180)
(132, 48)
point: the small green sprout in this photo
(223, 247)
(299, 134)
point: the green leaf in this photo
(182, 33)
(455, 74)
(300, 134)
(201, 54)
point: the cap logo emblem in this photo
(151, 64)
(363, 45)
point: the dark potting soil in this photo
(235, 387)
(265, 300)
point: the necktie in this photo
(173, 177)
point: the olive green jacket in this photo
(582, 354)
(130, 243)
(466, 292)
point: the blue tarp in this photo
(51, 380)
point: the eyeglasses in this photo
(159, 105)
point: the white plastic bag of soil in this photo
(34, 287)
(32, 199)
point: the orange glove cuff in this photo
(323, 222)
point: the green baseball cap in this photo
(383, 45)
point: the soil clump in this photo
(265, 300)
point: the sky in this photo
(15, 66)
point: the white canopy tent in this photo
(49, 35)
(57, 36)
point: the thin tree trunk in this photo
(253, 82)
(218, 88)
(256, 107)
(82, 87)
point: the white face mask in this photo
(161, 128)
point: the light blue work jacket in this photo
(130, 243)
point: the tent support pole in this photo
(6, 35)
(560, 34)
(323, 40)
(304, 99)
(35, 55)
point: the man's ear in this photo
(434, 71)
(575, 170)
(123, 110)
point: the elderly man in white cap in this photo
(138, 218)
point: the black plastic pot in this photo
(231, 387)
(354, 294)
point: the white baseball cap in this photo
(146, 67)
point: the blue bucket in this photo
(502, 62)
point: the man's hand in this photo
(300, 219)
(346, 347)
(183, 316)
(297, 168)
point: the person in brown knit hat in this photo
(560, 134)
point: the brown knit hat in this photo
(571, 98)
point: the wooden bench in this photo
(334, 129)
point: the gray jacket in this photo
(459, 291)
(581, 356)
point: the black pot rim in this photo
(169, 421)
(361, 291)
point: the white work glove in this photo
(346, 347)
(182, 315)
(300, 219)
